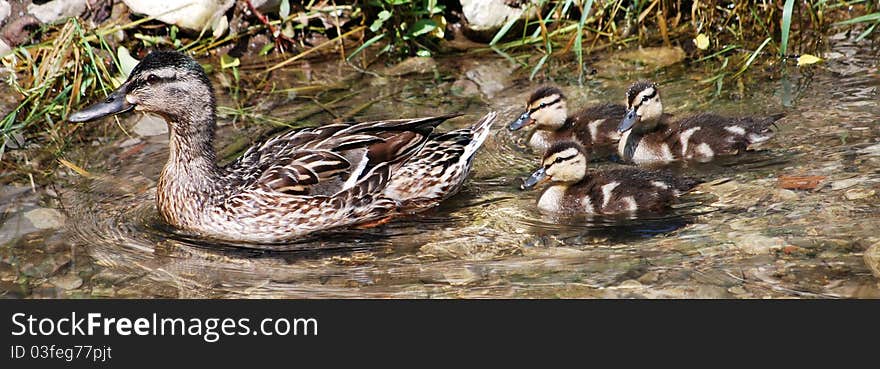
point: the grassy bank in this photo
(73, 62)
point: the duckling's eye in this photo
(644, 99)
(558, 160)
(542, 106)
(152, 78)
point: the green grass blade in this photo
(365, 45)
(503, 30)
(864, 18)
(578, 47)
(786, 25)
(539, 66)
(752, 58)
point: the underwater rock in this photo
(859, 193)
(413, 65)
(57, 9)
(45, 218)
(872, 259)
(66, 282)
(491, 77)
(193, 15)
(485, 17)
(755, 244)
(465, 88)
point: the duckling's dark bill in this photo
(114, 104)
(628, 121)
(523, 120)
(538, 177)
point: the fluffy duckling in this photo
(593, 127)
(575, 189)
(650, 136)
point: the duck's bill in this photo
(538, 177)
(114, 104)
(628, 121)
(523, 120)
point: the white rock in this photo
(150, 125)
(193, 15)
(45, 218)
(872, 150)
(57, 9)
(5, 9)
(756, 244)
(491, 15)
(845, 183)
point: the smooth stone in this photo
(491, 77)
(845, 183)
(756, 244)
(870, 150)
(413, 65)
(872, 259)
(465, 88)
(66, 282)
(195, 17)
(150, 125)
(57, 10)
(858, 194)
(45, 218)
(487, 16)
(5, 10)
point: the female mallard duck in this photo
(575, 189)
(650, 136)
(294, 184)
(594, 127)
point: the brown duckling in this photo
(650, 136)
(576, 189)
(593, 127)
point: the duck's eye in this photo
(644, 99)
(152, 78)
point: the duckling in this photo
(593, 127)
(650, 136)
(294, 184)
(575, 189)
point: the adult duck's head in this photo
(167, 83)
(546, 109)
(643, 106)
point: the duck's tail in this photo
(441, 167)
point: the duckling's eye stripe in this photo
(561, 159)
(543, 105)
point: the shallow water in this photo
(738, 236)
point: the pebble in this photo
(150, 125)
(630, 283)
(737, 290)
(756, 244)
(66, 282)
(649, 277)
(872, 259)
(491, 77)
(845, 183)
(858, 194)
(45, 218)
(413, 65)
(465, 88)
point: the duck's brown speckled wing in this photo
(328, 159)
